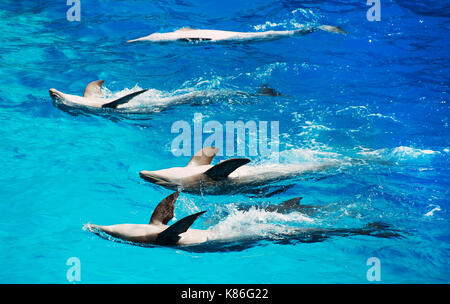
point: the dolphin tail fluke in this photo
(171, 235)
(223, 169)
(122, 100)
(332, 29)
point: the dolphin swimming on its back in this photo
(91, 97)
(93, 100)
(158, 232)
(190, 34)
(200, 177)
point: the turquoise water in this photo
(378, 95)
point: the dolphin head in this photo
(159, 179)
(62, 99)
(155, 37)
(56, 95)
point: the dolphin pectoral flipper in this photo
(203, 157)
(170, 236)
(114, 104)
(94, 88)
(223, 169)
(163, 213)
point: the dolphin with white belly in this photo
(179, 234)
(157, 231)
(190, 34)
(200, 177)
(91, 98)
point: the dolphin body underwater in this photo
(180, 235)
(190, 34)
(200, 177)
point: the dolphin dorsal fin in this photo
(164, 211)
(119, 101)
(223, 169)
(93, 89)
(170, 236)
(203, 157)
(292, 203)
(266, 90)
(183, 29)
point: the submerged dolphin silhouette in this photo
(157, 232)
(200, 177)
(190, 34)
(291, 205)
(91, 98)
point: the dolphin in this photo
(91, 98)
(157, 231)
(180, 235)
(187, 34)
(200, 177)
(268, 91)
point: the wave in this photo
(401, 153)
(156, 101)
(257, 222)
(299, 18)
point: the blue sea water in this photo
(378, 95)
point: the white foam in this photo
(431, 213)
(256, 223)
(154, 100)
(268, 24)
(398, 153)
(300, 18)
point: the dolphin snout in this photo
(90, 227)
(148, 176)
(158, 180)
(54, 93)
